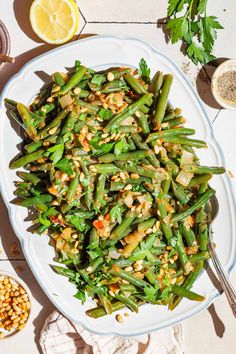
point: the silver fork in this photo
(212, 208)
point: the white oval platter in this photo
(101, 52)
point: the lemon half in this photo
(54, 21)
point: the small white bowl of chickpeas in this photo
(15, 304)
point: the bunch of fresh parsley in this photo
(189, 23)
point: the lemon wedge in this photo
(54, 21)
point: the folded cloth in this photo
(61, 336)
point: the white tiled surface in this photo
(212, 331)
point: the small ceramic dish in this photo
(5, 44)
(226, 66)
(15, 280)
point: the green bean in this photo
(35, 145)
(74, 80)
(195, 206)
(127, 301)
(118, 73)
(65, 271)
(41, 167)
(28, 177)
(166, 228)
(128, 129)
(43, 198)
(132, 279)
(181, 291)
(95, 263)
(188, 234)
(142, 226)
(46, 109)
(129, 111)
(143, 122)
(187, 284)
(69, 123)
(142, 171)
(118, 232)
(10, 103)
(89, 187)
(180, 194)
(197, 180)
(125, 156)
(144, 109)
(200, 256)
(99, 191)
(72, 187)
(40, 229)
(202, 188)
(27, 119)
(92, 108)
(151, 277)
(24, 160)
(162, 100)
(172, 123)
(172, 114)
(100, 311)
(55, 123)
(169, 133)
(112, 86)
(134, 84)
(138, 142)
(104, 168)
(184, 141)
(58, 79)
(158, 82)
(179, 246)
(203, 237)
(14, 114)
(203, 169)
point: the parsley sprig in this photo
(193, 27)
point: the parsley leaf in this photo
(144, 71)
(78, 222)
(103, 149)
(194, 28)
(198, 54)
(98, 79)
(116, 213)
(65, 166)
(151, 292)
(81, 296)
(105, 113)
(77, 64)
(178, 28)
(120, 147)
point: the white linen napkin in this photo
(61, 336)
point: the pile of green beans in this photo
(115, 181)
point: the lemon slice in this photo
(54, 21)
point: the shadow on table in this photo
(217, 322)
(11, 69)
(17, 261)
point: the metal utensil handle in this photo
(224, 280)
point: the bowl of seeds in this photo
(15, 304)
(223, 84)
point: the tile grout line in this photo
(216, 116)
(12, 259)
(125, 22)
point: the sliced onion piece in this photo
(184, 178)
(186, 158)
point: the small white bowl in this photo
(18, 280)
(228, 65)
